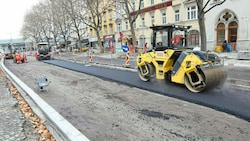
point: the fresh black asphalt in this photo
(226, 99)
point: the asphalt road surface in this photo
(104, 109)
(223, 98)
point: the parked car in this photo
(85, 48)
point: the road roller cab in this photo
(171, 59)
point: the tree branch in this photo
(217, 4)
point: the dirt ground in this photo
(108, 111)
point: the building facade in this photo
(106, 33)
(160, 12)
(231, 22)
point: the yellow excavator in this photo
(171, 59)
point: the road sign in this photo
(125, 48)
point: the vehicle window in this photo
(162, 38)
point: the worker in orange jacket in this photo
(25, 57)
(18, 58)
(36, 55)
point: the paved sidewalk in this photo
(14, 126)
(230, 59)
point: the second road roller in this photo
(171, 59)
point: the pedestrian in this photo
(224, 46)
(145, 47)
(112, 48)
(131, 48)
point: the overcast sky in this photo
(11, 14)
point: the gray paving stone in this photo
(12, 120)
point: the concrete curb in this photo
(62, 125)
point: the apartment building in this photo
(160, 12)
(229, 21)
(106, 33)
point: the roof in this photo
(12, 41)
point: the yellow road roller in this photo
(171, 59)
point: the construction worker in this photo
(18, 58)
(145, 47)
(131, 48)
(36, 55)
(25, 57)
(112, 48)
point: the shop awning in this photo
(109, 38)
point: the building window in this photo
(104, 16)
(142, 3)
(143, 22)
(119, 27)
(192, 12)
(232, 31)
(126, 25)
(100, 32)
(105, 29)
(193, 38)
(164, 18)
(110, 14)
(177, 15)
(142, 40)
(152, 20)
(91, 32)
(152, 2)
(133, 5)
(134, 25)
(110, 28)
(220, 33)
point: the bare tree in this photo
(75, 11)
(62, 20)
(129, 8)
(29, 30)
(203, 8)
(37, 23)
(54, 24)
(95, 10)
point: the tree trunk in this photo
(203, 32)
(201, 20)
(133, 35)
(101, 49)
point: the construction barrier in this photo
(90, 57)
(127, 61)
(60, 55)
(74, 56)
